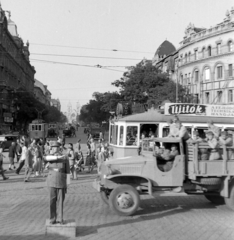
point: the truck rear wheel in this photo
(216, 199)
(230, 200)
(124, 200)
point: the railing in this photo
(202, 55)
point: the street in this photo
(25, 206)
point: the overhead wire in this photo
(98, 49)
(75, 64)
(80, 56)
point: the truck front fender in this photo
(113, 181)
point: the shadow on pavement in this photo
(149, 210)
(34, 236)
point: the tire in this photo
(215, 199)
(105, 197)
(230, 200)
(124, 200)
(208, 181)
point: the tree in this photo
(145, 83)
(98, 109)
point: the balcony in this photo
(205, 54)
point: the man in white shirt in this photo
(22, 158)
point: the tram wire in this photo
(98, 49)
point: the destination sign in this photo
(199, 109)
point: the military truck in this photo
(122, 181)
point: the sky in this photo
(91, 29)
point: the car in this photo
(6, 140)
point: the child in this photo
(1, 168)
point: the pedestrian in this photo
(37, 158)
(71, 158)
(47, 148)
(11, 156)
(93, 148)
(63, 141)
(56, 182)
(18, 150)
(101, 158)
(88, 160)
(28, 164)
(78, 145)
(22, 158)
(1, 163)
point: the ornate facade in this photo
(204, 62)
(16, 72)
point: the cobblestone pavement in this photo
(24, 209)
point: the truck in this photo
(123, 180)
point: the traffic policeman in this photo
(57, 181)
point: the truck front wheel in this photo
(124, 200)
(230, 200)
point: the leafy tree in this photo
(145, 83)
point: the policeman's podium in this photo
(68, 229)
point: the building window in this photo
(218, 48)
(230, 46)
(230, 95)
(219, 72)
(189, 57)
(196, 76)
(189, 78)
(185, 79)
(219, 96)
(181, 79)
(185, 58)
(203, 53)
(207, 97)
(230, 70)
(207, 74)
(209, 51)
(195, 54)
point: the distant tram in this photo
(38, 129)
(126, 133)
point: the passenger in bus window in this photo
(226, 139)
(196, 138)
(213, 143)
(182, 131)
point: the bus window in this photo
(148, 130)
(201, 132)
(33, 127)
(165, 132)
(114, 134)
(39, 127)
(121, 135)
(131, 136)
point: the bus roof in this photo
(155, 116)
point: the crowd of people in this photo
(214, 137)
(30, 153)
